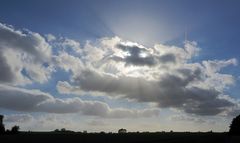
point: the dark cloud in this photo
(167, 58)
(6, 74)
(169, 91)
(134, 56)
(141, 57)
(19, 99)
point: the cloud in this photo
(93, 108)
(138, 55)
(69, 43)
(21, 118)
(194, 100)
(167, 58)
(26, 41)
(6, 76)
(50, 37)
(68, 62)
(174, 82)
(217, 65)
(24, 55)
(97, 123)
(194, 119)
(19, 99)
(39, 122)
(135, 55)
(166, 75)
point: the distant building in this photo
(122, 131)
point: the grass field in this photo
(181, 137)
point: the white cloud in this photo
(164, 75)
(67, 43)
(217, 65)
(50, 37)
(69, 63)
(23, 55)
(25, 41)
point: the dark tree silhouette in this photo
(57, 130)
(2, 128)
(122, 131)
(63, 130)
(235, 126)
(15, 129)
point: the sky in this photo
(101, 65)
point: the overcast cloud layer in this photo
(167, 76)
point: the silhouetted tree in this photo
(122, 131)
(57, 130)
(63, 130)
(2, 128)
(7, 131)
(235, 126)
(15, 129)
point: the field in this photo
(160, 137)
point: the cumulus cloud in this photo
(19, 99)
(217, 65)
(172, 81)
(135, 55)
(27, 41)
(68, 63)
(50, 37)
(69, 43)
(64, 87)
(163, 74)
(194, 100)
(138, 55)
(23, 56)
